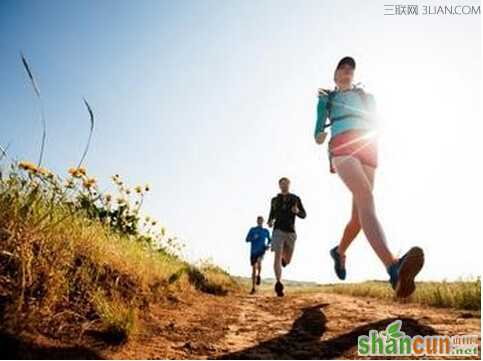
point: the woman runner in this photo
(353, 156)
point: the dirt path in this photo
(298, 326)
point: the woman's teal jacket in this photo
(354, 111)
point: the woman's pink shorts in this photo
(356, 143)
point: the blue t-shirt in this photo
(257, 236)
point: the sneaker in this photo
(403, 272)
(279, 289)
(338, 267)
(258, 280)
(252, 292)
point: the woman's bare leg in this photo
(351, 231)
(352, 173)
(353, 228)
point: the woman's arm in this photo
(321, 119)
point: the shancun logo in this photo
(394, 342)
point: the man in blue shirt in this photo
(257, 237)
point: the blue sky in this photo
(211, 102)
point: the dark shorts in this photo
(355, 143)
(255, 258)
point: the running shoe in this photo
(338, 266)
(403, 272)
(279, 289)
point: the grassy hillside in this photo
(460, 295)
(73, 258)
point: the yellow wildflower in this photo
(28, 166)
(89, 183)
(77, 172)
(45, 172)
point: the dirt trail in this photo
(298, 326)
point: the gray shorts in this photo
(282, 240)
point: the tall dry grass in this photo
(62, 269)
(73, 258)
(464, 295)
(40, 102)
